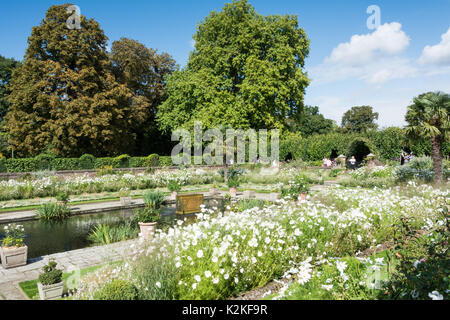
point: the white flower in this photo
(216, 280)
(226, 276)
(327, 287)
(435, 295)
(158, 284)
(200, 253)
(197, 278)
(194, 286)
(359, 238)
(207, 273)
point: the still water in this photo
(44, 238)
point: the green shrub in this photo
(62, 196)
(51, 275)
(233, 182)
(152, 160)
(154, 199)
(146, 215)
(117, 290)
(3, 167)
(165, 161)
(44, 161)
(174, 185)
(87, 161)
(123, 161)
(53, 211)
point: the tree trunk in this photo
(436, 154)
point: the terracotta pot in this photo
(233, 192)
(174, 195)
(302, 196)
(125, 201)
(148, 229)
(50, 292)
(13, 257)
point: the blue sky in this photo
(349, 64)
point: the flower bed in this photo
(51, 186)
(223, 255)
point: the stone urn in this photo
(174, 195)
(148, 229)
(51, 291)
(13, 256)
(233, 192)
(125, 201)
(302, 196)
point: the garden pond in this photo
(43, 238)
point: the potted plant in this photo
(50, 285)
(13, 251)
(62, 197)
(125, 199)
(233, 183)
(174, 187)
(302, 191)
(147, 219)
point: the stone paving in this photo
(68, 261)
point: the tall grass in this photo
(53, 211)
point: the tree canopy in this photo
(7, 66)
(65, 95)
(246, 71)
(309, 122)
(360, 119)
(143, 71)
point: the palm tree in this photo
(429, 117)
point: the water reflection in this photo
(44, 238)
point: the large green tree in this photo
(309, 122)
(359, 119)
(429, 117)
(143, 70)
(7, 66)
(65, 95)
(245, 72)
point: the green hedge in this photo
(85, 162)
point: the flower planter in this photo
(233, 192)
(13, 257)
(148, 229)
(125, 201)
(174, 195)
(50, 292)
(302, 196)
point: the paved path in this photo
(69, 261)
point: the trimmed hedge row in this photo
(85, 162)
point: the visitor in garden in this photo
(352, 162)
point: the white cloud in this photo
(372, 57)
(438, 54)
(388, 39)
(192, 43)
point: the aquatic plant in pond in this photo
(53, 211)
